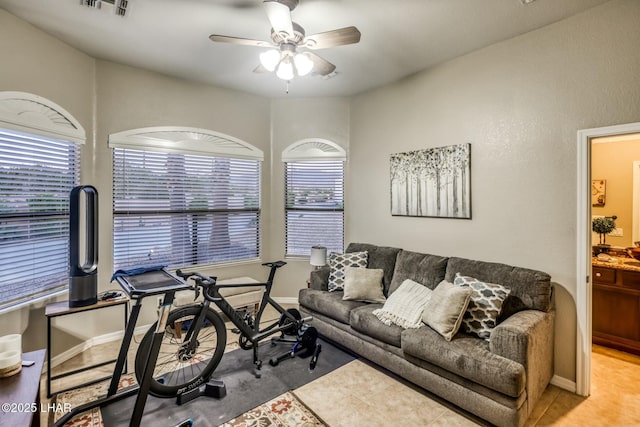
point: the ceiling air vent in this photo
(119, 6)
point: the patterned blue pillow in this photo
(484, 307)
(337, 263)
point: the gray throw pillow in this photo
(337, 263)
(444, 311)
(363, 284)
(484, 307)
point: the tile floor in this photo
(368, 397)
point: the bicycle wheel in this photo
(182, 365)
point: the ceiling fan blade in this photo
(320, 66)
(279, 16)
(239, 40)
(260, 69)
(339, 37)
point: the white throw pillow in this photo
(363, 284)
(444, 311)
(404, 307)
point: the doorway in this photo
(583, 255)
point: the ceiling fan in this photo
(290, 48)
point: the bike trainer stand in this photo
(214, 388)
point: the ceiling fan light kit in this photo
(289, 54)
(280, 61)
(304, 65)
(270, 59)
(285, 69)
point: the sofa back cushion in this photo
(530, 289)
(383, 257)
(422, 268)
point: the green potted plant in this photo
(603, 226)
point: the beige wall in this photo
(131, 98)
(34, 62)
(519, 103)
(293, 120)
(106, 98)
(613, 162)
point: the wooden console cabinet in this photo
(616, 308)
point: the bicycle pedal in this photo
(235, 330)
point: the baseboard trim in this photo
(286, 300)
(118, 335)
(84, 346)
(564, 383)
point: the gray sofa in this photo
(499, 380)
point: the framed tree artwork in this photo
(435, 182)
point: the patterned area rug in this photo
(285, 410)
(80, 396)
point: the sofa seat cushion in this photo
(468, 357)
(363, 320)
(330, 304)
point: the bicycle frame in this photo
(211, 292)
(254, 334)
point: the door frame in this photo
(583, 250)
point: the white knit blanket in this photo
(404, 307)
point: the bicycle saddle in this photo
(276, 264)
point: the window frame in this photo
(34, 117)
(312, 150)
(199, 142)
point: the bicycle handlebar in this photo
(206, 281)
(200, 279)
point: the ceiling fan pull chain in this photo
(287, 91)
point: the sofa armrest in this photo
(527, 337)
(319, 278)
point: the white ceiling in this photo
(399, 37)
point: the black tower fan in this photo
(83, 277)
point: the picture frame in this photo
(434, 182)
(598, 192)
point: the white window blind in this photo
(181, 209)
(314, 206)
(36, 176)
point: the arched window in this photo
(314, 199)
(39, 165)
(184, 196)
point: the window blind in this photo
(36, 176)
(180, 209)
(314, 206)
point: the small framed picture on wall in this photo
(598, 192)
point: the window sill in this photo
(36, 303)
